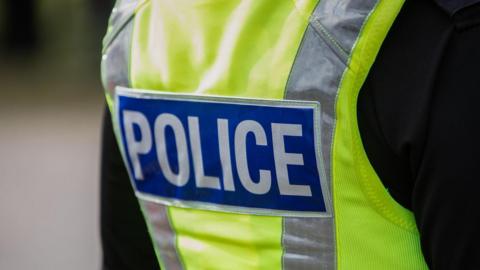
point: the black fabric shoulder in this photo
(454, 6)
(393, 105)
(467, 17)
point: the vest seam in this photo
(384, 211)
(334, 141)
(330, 40)
(332, 168)
(116, 30)
(304, 16)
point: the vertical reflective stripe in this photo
(163, 234)
(122, 13)
(318, 67)
(116, 62)
(343, 20)
(320, 64)
(309, 243)
(315, 76)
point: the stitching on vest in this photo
(328, 38)
(116, 31)
(118, 27)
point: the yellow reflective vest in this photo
(305, 50)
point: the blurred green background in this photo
(51, 108)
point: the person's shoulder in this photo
(463, 14)
(452, 7)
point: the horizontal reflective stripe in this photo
(228, 154)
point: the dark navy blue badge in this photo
(227, 154)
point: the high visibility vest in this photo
(275, 50)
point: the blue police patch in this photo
(227, 154)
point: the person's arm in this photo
(125, 240)
(446, 193)
(418, 114)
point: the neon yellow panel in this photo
(212, 240)
(226, 47)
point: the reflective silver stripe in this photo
(309, 243)
(343, 19)
(162, 233)
(122, 13)
(116, 61)
(117, 44)
(315, 76)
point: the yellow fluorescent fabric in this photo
(214, 240)
(242, 48)
(373, 231)
(225, 47)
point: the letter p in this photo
(140, 146)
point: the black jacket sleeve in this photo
(125, 240)
(418, 114)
